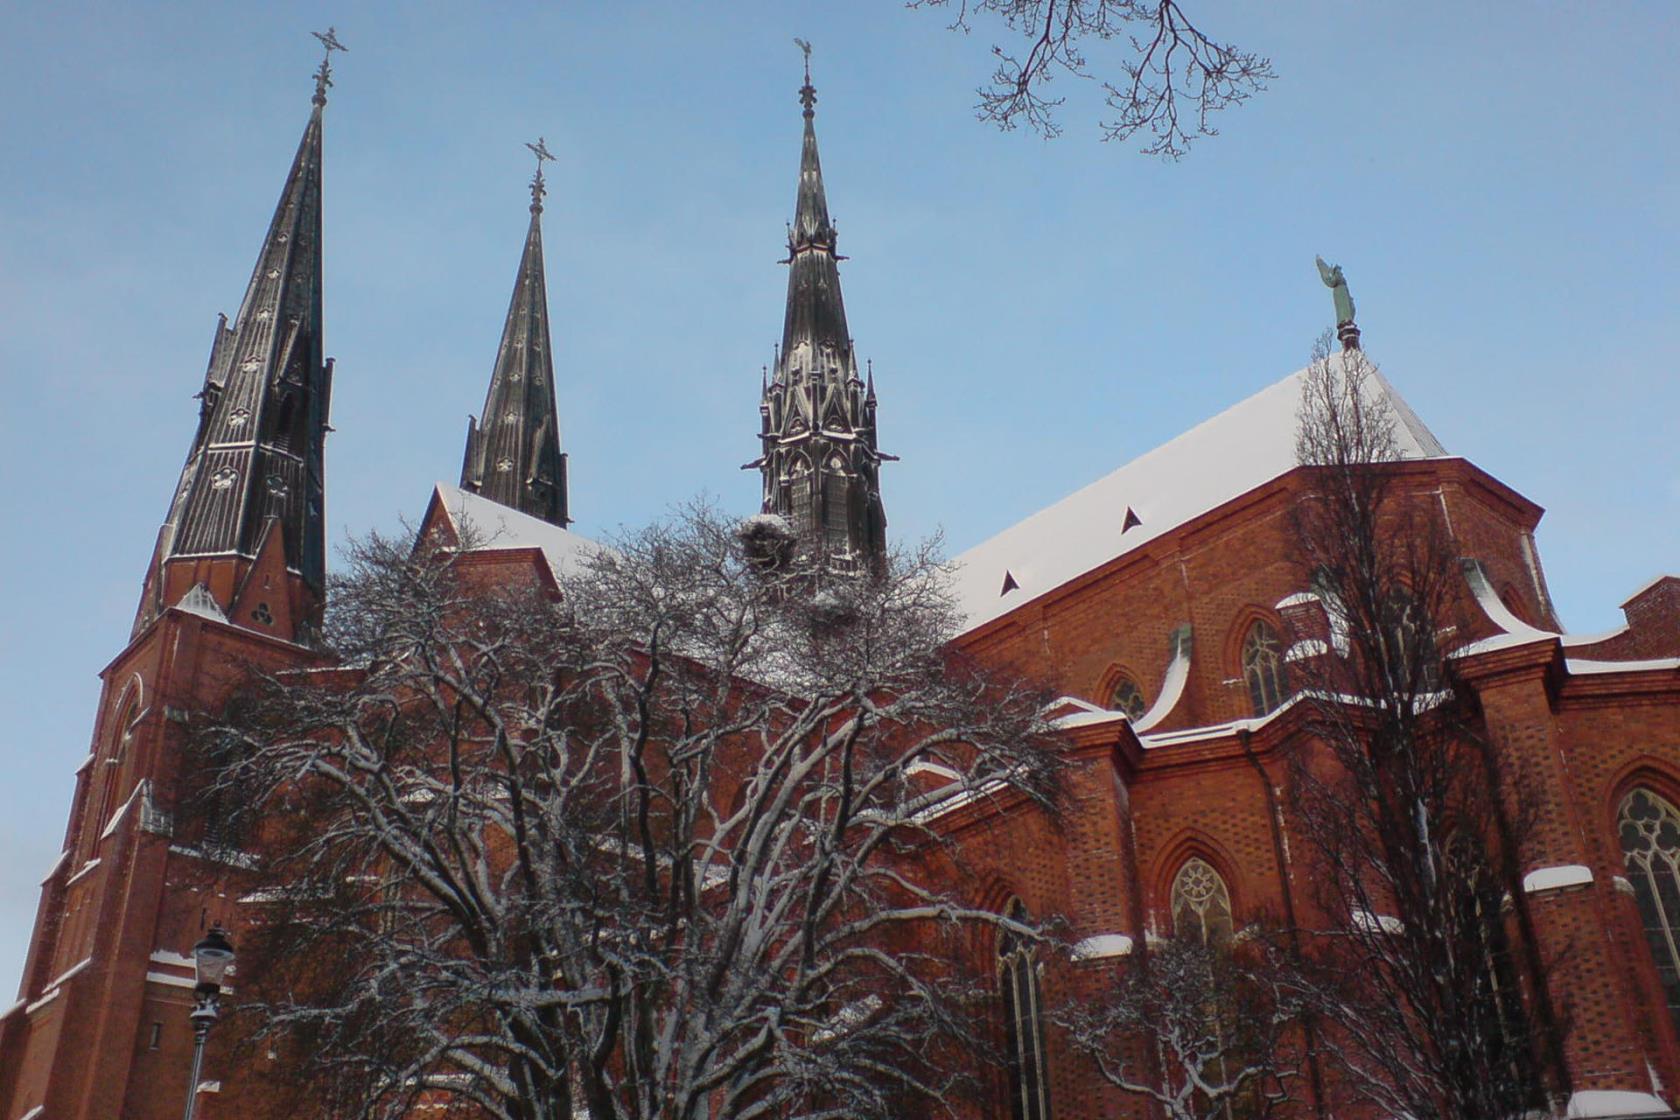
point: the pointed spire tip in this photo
(807, 92)
(323, 75)
(538, 187)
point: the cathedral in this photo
(1158, 601)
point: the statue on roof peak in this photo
(1333, 279)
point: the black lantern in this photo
(212, 960)
(212, 957)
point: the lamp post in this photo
(212, 957)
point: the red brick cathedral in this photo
(1159, 600)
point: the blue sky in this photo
(1498, 180)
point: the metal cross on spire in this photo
(323, 76)
(807, 92)
(540, 150)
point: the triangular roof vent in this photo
(1132, 520)
(199, 601)
(1009, 583)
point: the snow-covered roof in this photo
(1222, 458)
(496, 527)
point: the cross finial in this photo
(540, 150)
(323, 76)
(807, 92)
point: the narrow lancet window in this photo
(1023, 1019)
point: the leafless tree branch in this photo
(640, 851)
(1413, 827)
(1175, 76)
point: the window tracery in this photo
(799, 494)
(1650, 834)
(1263, 669)
(1201, 906)
(1128, 697)
(835, 513)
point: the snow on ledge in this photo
(58, 865)
(1515, 632)
(938, 770)
(71, 971)
(943, 803)
(1376, 923)
(1579, 666)
(1172, 685)
(1305, 648)
(86, 867)
(1102, 947)
(38, 1110)
(50, 995)
(1613, 1102)
(1071, 711)
(122, 810)
(1556, 878)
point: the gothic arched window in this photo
(1127, 697)
(799, 495)
(1409, 645)
(836, 516)
(1023, 1022)
(1262, 665)
(1201, 906)
(1650, 832)
(117, 764)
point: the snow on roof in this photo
(1221, 458)
(500, 527)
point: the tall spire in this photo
(819, 462)
(257, 459)
(513, 451)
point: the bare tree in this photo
(1423, 983)
(1175, 76)
(640, 849)
(1200, 1030)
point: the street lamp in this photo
(212, 957)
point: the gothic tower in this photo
(513, 451)
(251, 492)
(819, 461)
(101, 1026)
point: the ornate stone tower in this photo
(513, 451)
(819, 460)
(101, 1025)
